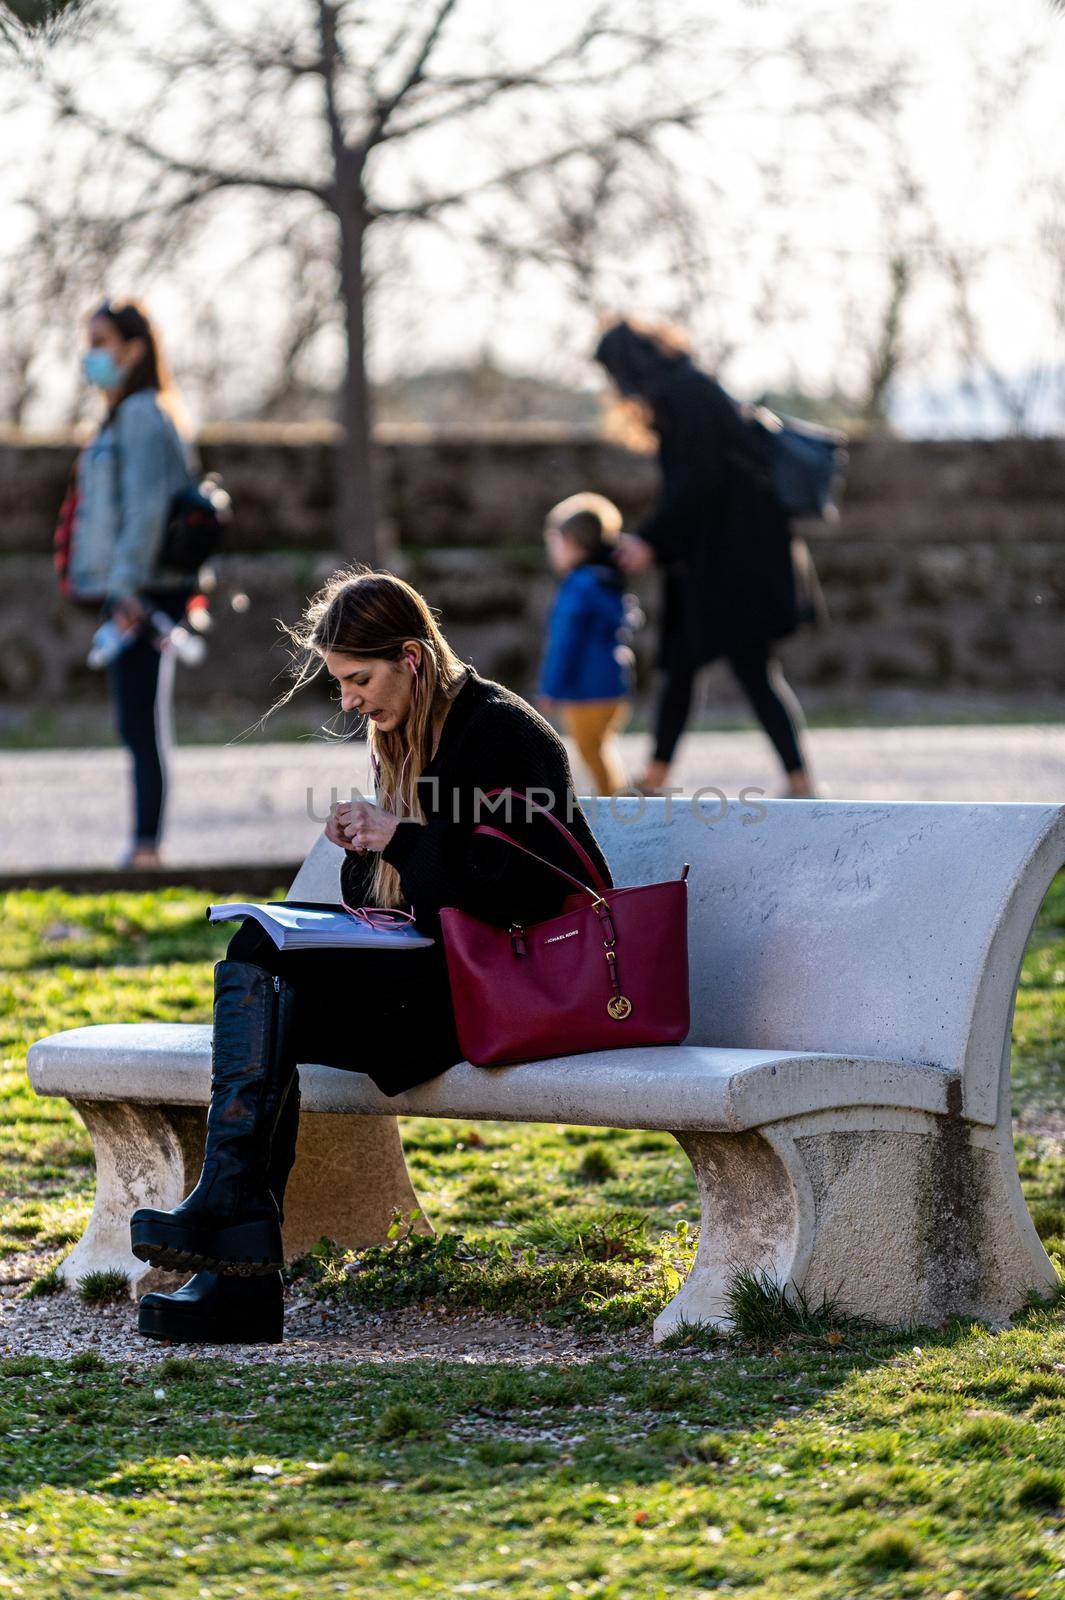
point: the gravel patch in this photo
(59, 1326)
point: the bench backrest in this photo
(888, 930)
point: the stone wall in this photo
(946, 572)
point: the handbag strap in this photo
(497, 833)
(574, 843)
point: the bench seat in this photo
(670, 1087)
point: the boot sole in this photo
(178, 1329)
(246, 1250)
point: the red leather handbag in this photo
(610, 971)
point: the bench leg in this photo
(911, 1218)
(145, 1156)
(750, 1217)
(349, 1177)
(899, 1217)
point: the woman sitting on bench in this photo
(441, 739)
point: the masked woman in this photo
(441, 739)
(731, 586)
(126, 482)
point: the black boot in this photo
(213, 1308)
(230, 1221)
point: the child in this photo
(587, 668)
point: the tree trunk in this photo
(356, 508)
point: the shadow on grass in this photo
(79, 1423)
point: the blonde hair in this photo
(629, 417)
(360, 612)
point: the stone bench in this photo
(843, 1097)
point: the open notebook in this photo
(311, 925)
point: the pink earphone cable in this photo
(373, 916)
(380, 917)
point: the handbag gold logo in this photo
(556, 937)
(619, 1007)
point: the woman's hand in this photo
(634, 554)
(364, 826)
(339, 814)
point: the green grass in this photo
(808, 1460)
(103, 1288)
(763, 1310)
(1039, 1021)
(566, 1282)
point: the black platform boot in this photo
(217, 1308)
(230, 1221)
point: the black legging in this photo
(383, 1012)
(759, 676)
(141, 686)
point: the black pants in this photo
(387, 1013)
(761, 680)
(141, 682)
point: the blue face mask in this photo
(101, 369)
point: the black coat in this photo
(722, 541)
(388, 1013)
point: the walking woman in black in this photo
(722, 543)
(441, 738)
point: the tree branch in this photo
(385, 107)
(214, 177)
(262, 54)
(492, 88)
(489, 85)
(233, 56)
(632, 133)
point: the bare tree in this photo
(329, 106)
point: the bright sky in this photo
(987, 170)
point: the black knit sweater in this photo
(491, 739)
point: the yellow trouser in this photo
(591, 724)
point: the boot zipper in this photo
(274, 1019)
(272, 1030)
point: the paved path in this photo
(266, 801)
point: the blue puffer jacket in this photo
(586, 658)
(127, 478)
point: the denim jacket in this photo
(127, 478)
